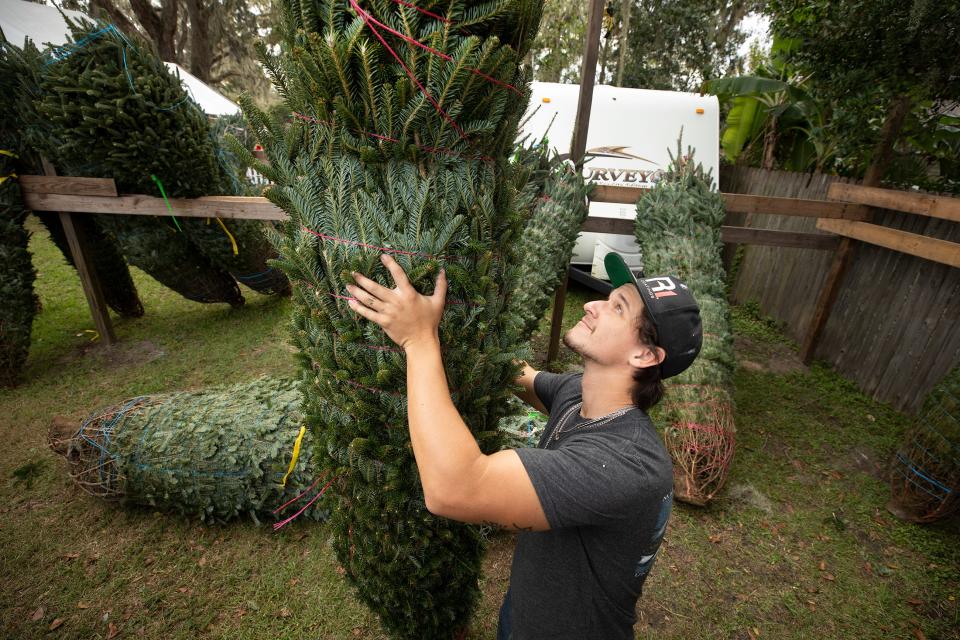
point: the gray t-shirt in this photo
(606, 490)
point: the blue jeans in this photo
(503, 624)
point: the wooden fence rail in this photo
(75, 195)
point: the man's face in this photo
(608, 333)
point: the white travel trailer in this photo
(630, 133)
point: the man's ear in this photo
(644, 356)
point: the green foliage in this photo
(20, 69)
(677, 44)
(775, 118)
(214, 454)
(370, 161)
(119, 292)
(867, 57)
(18, 303)
(93, 120)
(559, 45)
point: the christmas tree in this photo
(19, 69)
(215, 454)
(404, 117)
(130, 119)
(678, 229)
(558, 208)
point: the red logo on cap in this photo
(662, 287)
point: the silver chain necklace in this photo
(596, 422)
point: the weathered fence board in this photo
(894, 327)
(903, 241)
(923, 204)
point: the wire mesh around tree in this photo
(925, 471)
(215, 454)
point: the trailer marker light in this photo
(546, 100)
(700, 110)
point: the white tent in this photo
(44, 25)
(212, 101)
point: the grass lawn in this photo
(799, 545)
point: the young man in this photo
(593, 499)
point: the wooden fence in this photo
(895, 326)
(892, 329)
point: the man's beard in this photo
(577, 349)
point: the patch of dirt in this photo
(128, 353)
(750, 496)
(865, 460)
(768, 358)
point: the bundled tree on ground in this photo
(678, 230)
(116, 111)
(404, 118)
(215, 454)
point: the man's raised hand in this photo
(406, 316)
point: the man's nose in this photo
(591, 307)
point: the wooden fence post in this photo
(88, 275)
(588, 73)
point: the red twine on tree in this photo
(424, 11)
(282, 523)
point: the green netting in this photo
(925, 471)
(678, 229)
(214, 454)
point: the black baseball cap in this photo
(671, 307)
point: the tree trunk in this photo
(201, 47)
(100, 7)
(624, 39)
(770, 145)
(889, 133)
(160, 26)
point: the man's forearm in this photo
(446, 452)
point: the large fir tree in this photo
(403, 120)
(678, 229)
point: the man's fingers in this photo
(363, 296)
(395, 270)
(371, 286)
(440, 290)
(365, 312)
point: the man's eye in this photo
(619, 309)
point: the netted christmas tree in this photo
(116, 111)
(21, 68)
(558, 210)
(678, 229)
(404, 119)
(214, 454)
(925, 471)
